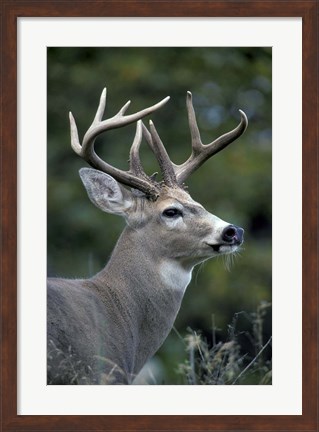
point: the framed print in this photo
(254, 56)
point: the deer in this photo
(111, 324)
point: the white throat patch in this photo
(174, 275)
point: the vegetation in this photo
(206, 363)
(235, 184)
(74, 371)
(216, 363)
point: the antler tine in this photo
(135, 161)
(157, 147)
(162, 157)
(201, 152)
(147, 136)
(135, 177)
(101, 107)
(195, 134)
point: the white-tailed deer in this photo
(108, 326)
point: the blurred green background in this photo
(235, 184)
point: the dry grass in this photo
(223, 363)
(72, 371)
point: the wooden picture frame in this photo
(11, 11)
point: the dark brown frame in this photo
(11, 10)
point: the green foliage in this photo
(235, 184)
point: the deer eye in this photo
(172, 212)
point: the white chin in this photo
(225, 249)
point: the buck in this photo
(113, 322)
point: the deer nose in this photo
(233, 234)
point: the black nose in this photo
(233, 234)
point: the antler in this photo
(135, 176)
(173, 175)
(201, 152)
(177, 174)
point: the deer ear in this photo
(105, 192)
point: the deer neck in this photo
(150, 291)
(137, 266)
